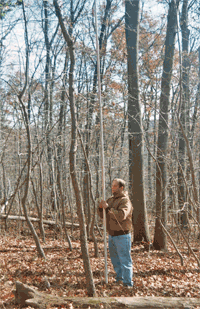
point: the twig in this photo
(172, 241)
(189, 247)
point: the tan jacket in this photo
(118, 214)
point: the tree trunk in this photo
(184, 98)
(46, 98)
(72, 158)
(160, 239)
(141, 231)
(62, 203)
(26, 122)
(40, 212)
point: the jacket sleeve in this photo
(100, 211)
(123, 210)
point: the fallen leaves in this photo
(62, 273)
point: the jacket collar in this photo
(117, 195)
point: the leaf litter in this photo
(155, 273)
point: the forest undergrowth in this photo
(156, 273)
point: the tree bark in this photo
(28, 296)
(184, 100)
(141, 230)
(160, 239)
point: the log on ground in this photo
(22, 218)
(30, 296)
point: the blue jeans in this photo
(120, 254)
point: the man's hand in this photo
(103, 204)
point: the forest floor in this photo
(155, 273)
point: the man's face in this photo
(116, 188)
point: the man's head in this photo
(118, 185)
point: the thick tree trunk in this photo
(184, 99)
(160, 239)
(141, 231)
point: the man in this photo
(119, 225)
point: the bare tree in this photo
(160, 239)
(72, 156)
(26, 122)
(183, 108)
(141, 231)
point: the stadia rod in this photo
(102, 141)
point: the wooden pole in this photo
(102, 141)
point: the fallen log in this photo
(22, 218)
(30, 296)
